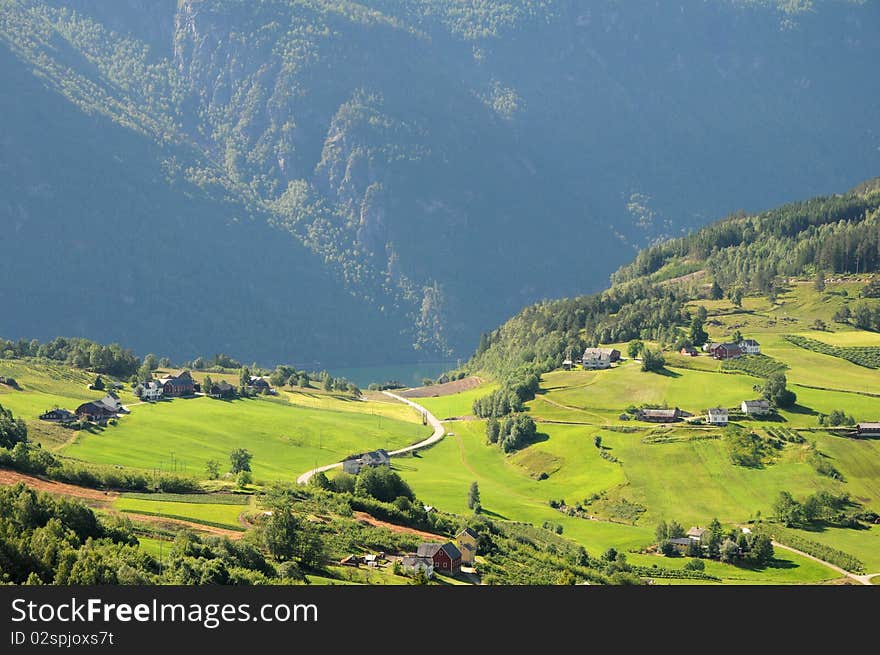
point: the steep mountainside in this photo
(445, 162)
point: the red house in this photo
(446, 557)
(726, 351)
(178, 385)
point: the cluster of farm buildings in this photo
(604, 358)
(179, 385)
(447, 558)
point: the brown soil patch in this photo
(8, 477)
(366, 518)
(446, 389)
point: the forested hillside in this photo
(272, 173)
(740, 255)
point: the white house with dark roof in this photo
(373, 458)
(596, 358)
(696, 534)
(717, 416)
(151, 390)
(414, 563)
(750, 347)
(868, 429)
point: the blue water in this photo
(410, 375)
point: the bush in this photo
(695, 565)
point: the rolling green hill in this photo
(686, 471)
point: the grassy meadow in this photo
(683, 473)
(285, 439)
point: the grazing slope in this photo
(643, 473)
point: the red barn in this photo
(726, 351)
(446, 557)
(178, 385)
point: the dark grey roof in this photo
(680, 541)
(414, 560)
(765, 404)
(468, 531)
(452, 550)
(57, 410)
(670, 413)
(223, 385)
(749, 342)
(375, 456)
(428, 550)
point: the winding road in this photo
(438, 434)
(862, 579)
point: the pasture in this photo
(210, 514)
(285, 439)
(455, 404)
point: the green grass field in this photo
(456, 404)
(689, 477)
(285, 440)
(864, 544)
(611, 391)
(45, 385)
(210, 514)
(683, 473)
(158, 548)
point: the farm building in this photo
(259, 384)
(445, 557)
(94, 411)
(688, 351)
(868, 429)
(151, 390)
(355, 463)
(58, 416)
(350, 560)
(717, 416)
(750, 347)
(112, 401)
(567, 365)
(414, 563)
(755, 407)
(696, 534)
(178, 385)
(725, 351)
(681, 544)
(467, 541)
(222, 389)
(662, 415)
(596, 358)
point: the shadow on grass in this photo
(800, 409)
(494, 515)
(665, 372)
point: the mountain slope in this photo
(105, 245)
(741, 255)
(448, 162)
